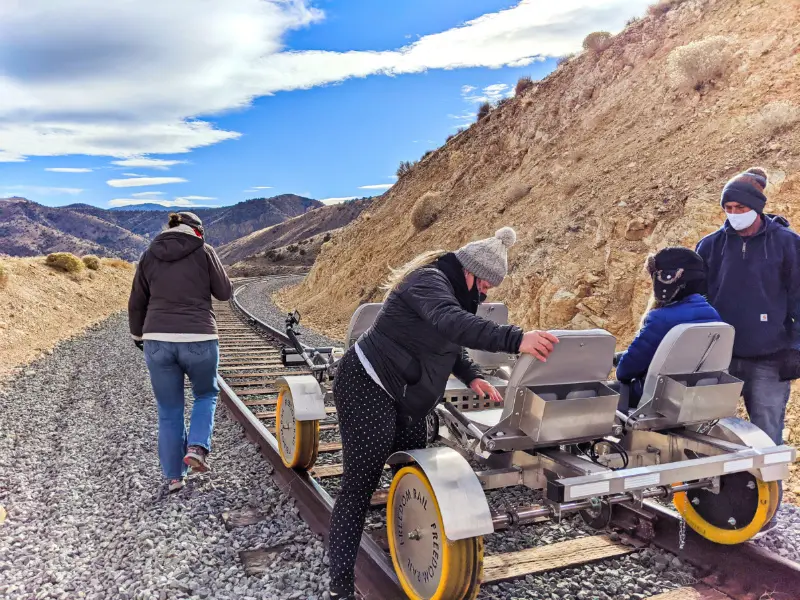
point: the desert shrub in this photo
(427, 154)
(426, 210)
(117, 263)
(271, 254)
(503, 102)
(302, 251)
(405, 168)
(91, 262)
(517, 192)
(65, 261)
(597, 42)
(565, 59)
(4, 277)
(484, 110)
(699, 63)
(663, 7)
(776, 117)
(523, 85)
(327, 238)
(632, 21)
(291, 248)
(450, 137)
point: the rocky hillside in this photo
(30, 229)
(292, 231)
(621, 151)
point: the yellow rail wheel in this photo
(298, 441)
(775, 496)
(428, 565)
(733, 516)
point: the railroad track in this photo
(250, 364)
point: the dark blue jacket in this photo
(754, 283)
(636, 360)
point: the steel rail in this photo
(743, 572)
(375, 575)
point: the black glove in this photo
(790, 365)
(139, 344)
(617, 356)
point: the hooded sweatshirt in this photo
(754, 283)
(171, 295)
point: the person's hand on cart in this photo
(538, 343)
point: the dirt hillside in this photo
(616, 154)
(40, 306)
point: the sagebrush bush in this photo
(65, 261)
(565, 59)
(523, 85)
(291, 248)
(776, 117)
(699, 63)
(484, 110)
(597, 42)
(405, 168)
(91, 262)
(663, 6)
(426, 210)
(4, 277)
(117, 263)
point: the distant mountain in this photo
(157, 207)
(28, 228)
(311, 223)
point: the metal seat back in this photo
(564, 398)
(687, 380)
(362, 319)
(492, 361)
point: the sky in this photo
(211, 102)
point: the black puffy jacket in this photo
(419, 338)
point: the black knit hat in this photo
(677, 272)
(747, 189)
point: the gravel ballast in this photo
(88, 516)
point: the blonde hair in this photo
(397, 276)
(652, 303)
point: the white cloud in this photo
(194, 198)
(43, 190)
(131, 78)
(262, 187)
(68, 170)
(465, 116)
(186, 202)
(133, 175)
(466, 89)
(491, 93)
(378, 186)
(337, 200)
(148, 163)
(144, 181)
(147, 194)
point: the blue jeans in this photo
(765, 395)
(168, 362)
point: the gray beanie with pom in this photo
(488, 259)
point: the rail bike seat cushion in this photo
(362, 319)
(491, 361)
(691, 356)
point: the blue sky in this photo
(210, 102)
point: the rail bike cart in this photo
(564, 429)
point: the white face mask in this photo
(742, 221)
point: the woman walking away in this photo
(397, 371)
(679, 288)
(170, 318)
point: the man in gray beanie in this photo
(394, 375)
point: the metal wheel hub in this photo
(288, 431)
(418, 534)
(734, 507)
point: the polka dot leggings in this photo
(370, 434)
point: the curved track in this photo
(250, 364)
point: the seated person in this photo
(679, 288)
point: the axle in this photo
(527, 514)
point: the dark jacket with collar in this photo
(175, 279)
(419, 337)
(657, 324)
(754, 283)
